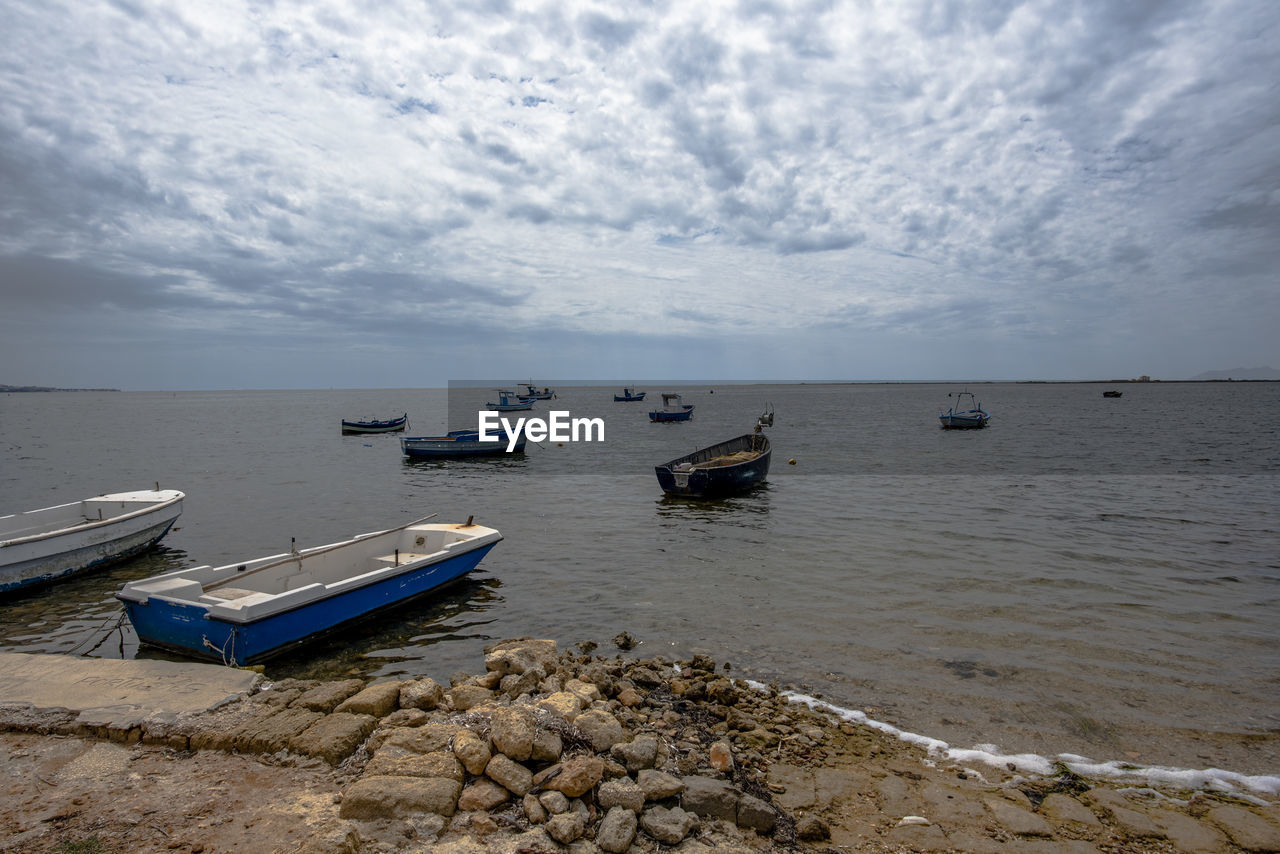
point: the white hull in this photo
(43, 545)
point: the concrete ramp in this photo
(115, 693)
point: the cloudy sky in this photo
(334, 194)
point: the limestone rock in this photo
(463, 697)
(399, 797)
(810, 828)
(423, 693)
(378, 700)
(710, 798)
(510, 774)
(519, 655)
(574, 776)
(658, 785)
(326, 696)
(566, 827)
(272, 732)
(624, 793)
(511, 731)
(617, 830)
(483, 794)
(392, 761)
(472, 751)
(600, 728)
(668, 826)
(333, 737)
(638, 754)
(757, 815)
(563, 704)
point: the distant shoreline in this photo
(7, 389)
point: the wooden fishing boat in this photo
(40, 546)
(629, 395)
(458, 443)
(726, 468)
(673, 409)
(390, 425)
(960, 418)
(251, 611)
(510, 402)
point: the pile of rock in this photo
(578, 747)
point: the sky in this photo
(241, 195)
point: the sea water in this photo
(1087, 576)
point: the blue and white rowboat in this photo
(40, 546)
(247, 612)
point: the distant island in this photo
(1240, 374)
(5, 389)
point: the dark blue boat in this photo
(629, 395)
(458, 443)
(390, 425)
(726, 468)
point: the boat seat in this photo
(405, 557)
(228, 593)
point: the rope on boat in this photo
(228, 660)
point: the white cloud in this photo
(727, 172)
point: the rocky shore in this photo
(552, 750)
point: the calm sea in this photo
(1088, 575)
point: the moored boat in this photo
(960, 418)
(1112, 393)
(251, 611)
(629, 395)
(389, 425)
(673, 409)
(40, 546)
(458, 443)
(725, 468)
(535, 393)
(510, 402)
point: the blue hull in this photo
(720, 480)
(190, 630)
(457, 445)
(659, 415)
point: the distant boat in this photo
(390, 425)
(251, 611)
(535, 393)
(510, 402)
(458, 443)
(1112, 393)
(628, 395)
(40, 546)
(673, 409)
(726, 468)
(960, 418)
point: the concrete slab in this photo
(116, 692)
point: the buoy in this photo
(791, 461)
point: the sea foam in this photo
(1210, 779)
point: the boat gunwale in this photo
(91, 524)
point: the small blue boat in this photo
(673, 409)
(510, 402)
(960, 418)
(458, 443)
(628, 395)
(247, 612)
(390, 425)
